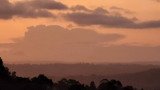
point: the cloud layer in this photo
(102, 17)
(57, 43)
(78, 14)
(50, 44)
(29, 8)
(156, 0)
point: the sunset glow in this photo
(131, 26)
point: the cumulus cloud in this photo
(103, 17)
(52, 44)
(57, 43)
(29, 8)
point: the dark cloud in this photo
(44, 4)
(6, 9)
(79, 14)
(149, 24)
(29, 8)
(79, 8)
(156, 0)
(57, 43)
(99, 19)
(104, 18)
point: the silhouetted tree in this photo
(9, 81)
(4, 71)
(110, 85)
(92, 86)
(70, 84)
(13, 75)
(74, 85)
(63, 84)
(42, 81)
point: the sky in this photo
(71, 31)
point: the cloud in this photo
(121, 10)
(103, 17)
(5, 9)
(29, 8)
(78, 14)
(57, 43)
(79, 8)
(44, 4)
(156, 0)
(99, 19)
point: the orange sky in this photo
(143, 10)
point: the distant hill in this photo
(78, 69)
(149, 79)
